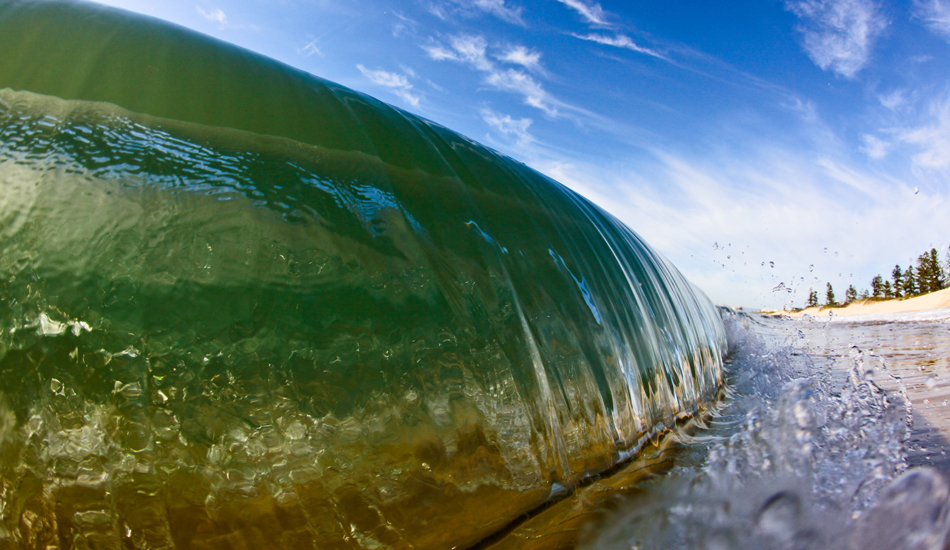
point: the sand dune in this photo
(934, 300)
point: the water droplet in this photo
(931, 382)
(763, 264)
(826, 250)
(716, 246)
(811, 267)
(916, 190)
(728, 257)
(771, 264)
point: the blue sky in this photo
(812, 135)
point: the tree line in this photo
(928, 276)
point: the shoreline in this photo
(926, 303)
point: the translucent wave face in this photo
(273, 341)
(287, 314)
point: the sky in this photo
(755, 144)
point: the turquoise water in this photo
(246, 307)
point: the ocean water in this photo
(243, 307)
(832, 435)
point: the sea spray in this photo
(245, 306)
(807, 452)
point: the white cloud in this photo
(397, 83)
(875, 148)
(499, 8)
(765, 204)
(519, 55)
(217, 15)
(894, 100)
(509, 127)
(838, 34)
(592, 13)
(933, 139)
(619, 41)
(471, 50)
(935, 14)
(311, 48)
(520, 83)
(465, 49)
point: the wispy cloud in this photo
(875, 147)
(472, 51)
(501, 10)
(933, 138)
(404, 25)
(935, 14)
(894, 100)
(519, 55)
(518, 82)
(215, 15)
(468, 8)
(397, 83)
(767, 204)
(310, 48)
(619, 41)
(838, 34)
(509, 127)
(591, 12)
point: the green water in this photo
(241, 306)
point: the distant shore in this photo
(927, 302)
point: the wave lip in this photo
(242, 303)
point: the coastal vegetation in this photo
(928, 275)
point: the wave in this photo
(244, 305)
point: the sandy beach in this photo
(927, 302)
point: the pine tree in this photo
(812, 297)
(924, 276)
(877, 286)
(898, 281)
(851, 294)
(888, 292)
(939, 279)
(864, 294)
(830, 296)
(910, 282)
